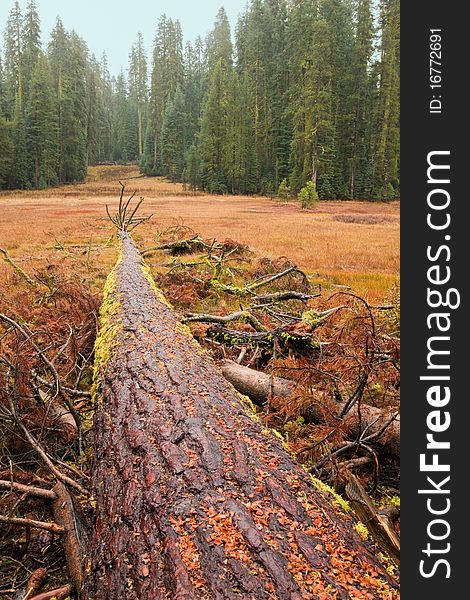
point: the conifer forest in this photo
(302, 91)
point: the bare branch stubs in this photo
(126, 219)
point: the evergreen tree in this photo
(41, 126)
(239, 158)
(6, 140)
(3, 90)
(138, 88)
(192, 174)
(213, 135)
(105, 110)
(262, 56)
(194, 85)
(125, 142)
(174, 137)
(386, 138)
(31, 42)
(313, 142)
(362, 100)
(6, 153)
(15, 95)
(68, 59)
(219, 41)
(13, 58)
(94, 112)
(167, 74)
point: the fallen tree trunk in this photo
(261, 386)
(257, 385)
(194, 498)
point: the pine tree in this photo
(68, 59)
(362, 100)
(94, 112)
(174, 137)
(13, 58)
(6, 142)
(124, 139)
(3, 90)
(219, 41)
(41, 126)
(239, 157)
(262, 56)
(313, 141)
(138, 81)
(105, 110)
(15, 95)
(386, 146)
(192, 174)
(194, 85)
(167, 74)
(6, 153)
(31, 36)
(213, 135)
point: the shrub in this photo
(308, 195)
(283, 191)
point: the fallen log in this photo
(194, 498)
(257, 385)
(261, 386)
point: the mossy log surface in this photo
(194, 497)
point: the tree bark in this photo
(260, 387)
(194, 498)
(257, 385)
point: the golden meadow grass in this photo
(343, 243)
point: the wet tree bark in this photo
(194, 498)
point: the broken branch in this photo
(47, 526)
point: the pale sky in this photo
(112, 25)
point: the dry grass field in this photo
(345, 243)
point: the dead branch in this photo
(66, 513)
(18, 270)
(35, 583)
(61, 418)
(233, 337)
(249, 289)
(377, 523)
(242, 315)
(267, 279)
(58, 385)
(51, 527)
(283, 297)
(70, 391)
(42, 453)
(255, 384)
(185, 246)
(122, 219)
(28, 490)
(57, 594)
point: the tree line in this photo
(302, 100)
